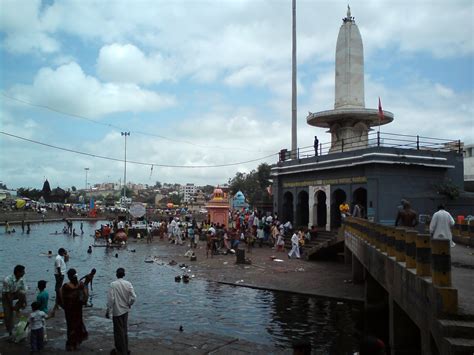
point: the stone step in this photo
(457, 328)
(460, 346)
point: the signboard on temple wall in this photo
(350, 180)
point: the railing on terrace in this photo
(374, 139)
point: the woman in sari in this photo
(74, 295)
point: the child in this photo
(42, 297)
(280, 242)
(36, 322)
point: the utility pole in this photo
(294, 143)
(87, 170)
(125, 134)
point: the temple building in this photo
(362, 165)
(238, 201)
(218, 208)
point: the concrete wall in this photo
(412, 300)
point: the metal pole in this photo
(294, 143)
(125, 134)
(87, 170)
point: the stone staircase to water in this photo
(324, 240)
(458, 331)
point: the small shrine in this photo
(218, 208)
(238, 201)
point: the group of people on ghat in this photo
(71, 296)
(25, 227)
(245, 228)
(439, 225)
(249, 228)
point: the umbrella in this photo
(20, 203)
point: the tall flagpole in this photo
(294, 143)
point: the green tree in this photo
(59, 195)
(253, 185)
(110, 199)
(73, 188)
(175, 199)
(208, 189)
(33, 194)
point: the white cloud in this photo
(127, 63)
(25, 29)
(194, 48)
(70, 89)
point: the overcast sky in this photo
(206, 83)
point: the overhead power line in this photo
(132, 161)
(45, 107)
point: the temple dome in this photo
(239, 196)
(218, 193)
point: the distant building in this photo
(469, 167)
(187, 191)
(158, 198)
(4, 194)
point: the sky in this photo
(204, 87)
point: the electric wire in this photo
(110, 125)
(133, 161)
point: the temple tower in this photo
(349, 122)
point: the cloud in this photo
(25, 29)
(71, 90)
(127, 63)
(230, 64)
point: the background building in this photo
(187, 191)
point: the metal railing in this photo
(374, 139)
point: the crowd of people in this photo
(244, 227)
(71, 296)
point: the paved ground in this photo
(329, 279)
(462, 262)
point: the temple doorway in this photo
(302, 210)
(338, 196)
(287, 212)
(319, 209)
(360, 196)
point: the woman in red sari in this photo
(74, 295)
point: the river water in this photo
(256, 315)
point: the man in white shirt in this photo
(59, 272)
(295, 247)
(120, 298)
(441, 224)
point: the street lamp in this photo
(125, 134)
(87, 170)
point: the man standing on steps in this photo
(120, 298)
(295, 247)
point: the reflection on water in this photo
(256, 315)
